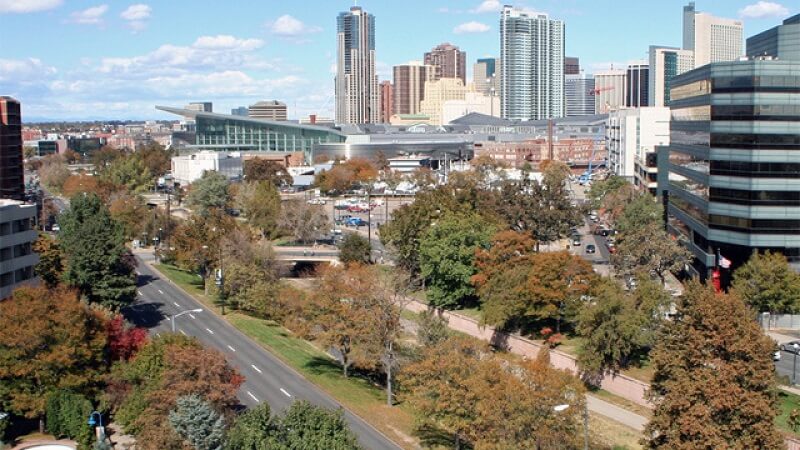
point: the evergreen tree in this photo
(354, 249)
(253, 430)
(714, 382)
(207, 193)
(196, 421)
(67, 415)
(305, 426)
(98, 264)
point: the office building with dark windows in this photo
(12, 183)
(730, 176)
(782, 42)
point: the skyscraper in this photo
(268, 109)
(486, 76)
(609, 90)
(665, 63)
(532, 65)
(782, 42)
(579, 93)
(449, 62)
(12, 183)
(636, 84)
(712, 39)
(572, 65)
(387, 101)
(409, 86)
(357, 94)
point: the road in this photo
(267, 378)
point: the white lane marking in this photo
(252, 396)
(285, 393)
(232, 349)
(140, 293)
(182, 332)
(192, 316)
(176, 304)
(255, 368)
(209, 330)
(161, 292)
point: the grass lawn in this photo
(786, 403)
(622, 402)
(191, 283)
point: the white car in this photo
(776, 356)
(316, 201)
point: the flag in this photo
(724, 262)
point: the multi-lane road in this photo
(267, 378)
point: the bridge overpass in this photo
(307, 254)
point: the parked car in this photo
(590, 248)
(316, 201)
(611, 248)
(56, 228)
(776, 356)
(791, 347)
(356, 222)
(576, 240)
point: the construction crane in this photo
(600, 89)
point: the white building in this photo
(712, 39)
(189, 168)
(632, 134)
(532, 65)
(17, 235)
(609, 90)
(357, 92)
(473, 102)
(437, 93)
(665, 63)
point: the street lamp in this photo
(796, 348)
(175, 316)
(95, 423)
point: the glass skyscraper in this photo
(357, 93)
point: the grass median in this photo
(356, 393)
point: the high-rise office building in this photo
(712, 39)
(579, 93)
(240, 111)
(357, 94)
(572, 65)
(12, 182)
(782, 42)
(200, 106)
(409, 86)
(636, 84)
(730, 173)
(269, 110)
(609, 90)
(532, 65)
(486, 76)
(438, 92)
(449, 62)
(665, 64)
(387, 100)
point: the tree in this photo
(257, 169)
(79, 184)
(767, 283)
(198, 423)
(155, 158)
(130, 173)
(124, 340)
(48, 341)
(432, 328)
(344, 176)
(196, 241)
(207, 193)
(355, 248)
(640, 210)
(98, 263)
(260, 202)
(447, 253)
(600, 189)
(50, 266)
(71, 156)
(307, 426)
(254, 429)
(29, 152)
(53, 173)
(615, 202)
(128, 210)
(67, 415)
(647, 247)
(105, 157)
(303, 221)
(714, 383)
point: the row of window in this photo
(755, 112)
(756, 141)
(17, 276)
(15, 226)
(766, 226)
(16, 251)
(754, 169)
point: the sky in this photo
(89, 60)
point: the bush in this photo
(67, 416)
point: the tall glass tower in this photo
(357, 93)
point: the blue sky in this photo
(76, 59)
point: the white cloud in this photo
(23, 69)
(27, 6)
(139, 11)
(288, 27)
(471, 27)
(226, 42)
(763, 9)
(89, 16)
(488, 6)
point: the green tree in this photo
(355, 248)
(128, 210)
(155, 157)
(447, 254)
(600, 189)
(642, 211)
(67, 415)
(50, 266)
(129, 173)
(432, 328)
(714, 383)
(257, 169)
(307, 426)
(648, 248)
(767, 283)
(98, 263)
(209, 192)
(260, 202)
(49, 341)
(254, 429)
(198, 423)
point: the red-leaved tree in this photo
(124, 340)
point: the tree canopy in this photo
(257, 169)
(355, 248)
(767, 283)
(260, 203)
(209, 192)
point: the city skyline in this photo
(247, 53)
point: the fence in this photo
(779, 321)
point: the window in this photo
(767, 226)
(755, 169)
(764, 198)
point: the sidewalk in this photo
(616, 413)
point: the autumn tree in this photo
(257, 169)
(124, 339)
(767, 283)
(129, 173)
(447, 253)
(602, 188)
(51, 260)
(195, 244)
(155, 158)
(251, 275)
(80, 184)
(432, 328)
(105, 157)
(128, 210)
(303, 221)
(647, 247)
(614, 202)
(260, 202)
(53, 173)
(714, 383)
(196, 421)
(346, 175)
(355, 248)
(98, 263)
(209, 192)
(49, 341)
